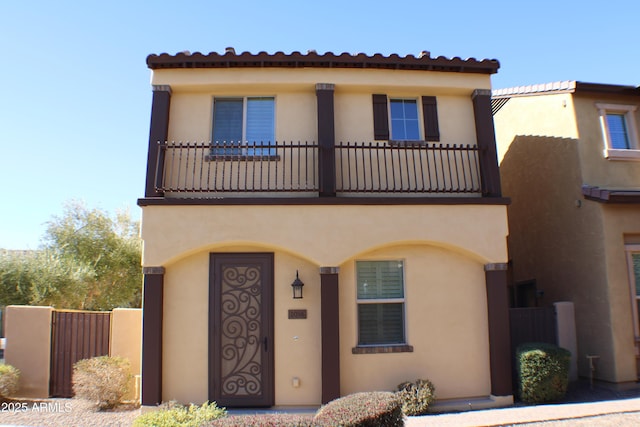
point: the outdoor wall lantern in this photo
(297, 287)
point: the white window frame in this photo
(418, 102)
(383, 301)
(631, 153)
(630, 250)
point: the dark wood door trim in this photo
(266, 395)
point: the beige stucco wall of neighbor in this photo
(125, 340)
(548, 115)
(557, 238)
(621, 221)
(572, 247)
(596, 169)
(446, 308)
(28, 347)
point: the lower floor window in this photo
(381, 304)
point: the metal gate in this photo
(75, 335)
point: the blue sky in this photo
(75, 98)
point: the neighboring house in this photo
(372, 180)
(570, 161)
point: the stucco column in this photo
(485, 135)
(152, 307)
(326, 139)
(499, 332)
(330, 324)
(158, 132)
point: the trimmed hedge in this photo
(265, 420)
(103, 379)
(9, 377)
(416, 396)
(543, 372)
(370, 409)
(174, 415)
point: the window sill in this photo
(617, 154)
(240, 158)
(380, 349)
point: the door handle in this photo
(265, 344)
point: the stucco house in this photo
(368, 182)
(570, 161)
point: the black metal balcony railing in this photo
(407, 168)
(379, 167)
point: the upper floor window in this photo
(619, 131)
(243, 126)
(380, 294)
(404, 120)
(399, 119)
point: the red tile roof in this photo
(423, 62)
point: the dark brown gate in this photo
(241, 329)
(75, 335)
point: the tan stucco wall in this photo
(548, 115)
(28, 347)
(126, 341)
(596, 169)
(254, 79)
(185, 326)
(324, 235)
(446, 308)
(441, 243)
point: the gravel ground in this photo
(621, 408)
(63, 413)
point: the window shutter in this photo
(380, 118)
(227, 121)
(430, 116)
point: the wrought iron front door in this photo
(241, 329)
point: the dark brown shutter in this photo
(430, 117)
(380, 118)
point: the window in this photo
(403, 117)
(380, 299)
(619, 131)
(633, 264)
(241, 124)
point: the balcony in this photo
(305, 170)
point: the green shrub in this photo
(416, 396)
(370, 409)
(543, 372)
(174, 415)
(103, 379)
(265, 420)
(9, 377)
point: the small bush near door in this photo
(369, 409)
(172, 414)
(416, 396)
(543, 372)
(103, 380)
(9, 377)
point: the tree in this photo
(90, 260)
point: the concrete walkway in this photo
(527, 414)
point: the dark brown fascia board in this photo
(327, 60)
(602, 195)
(266, 201)
(583, 87)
